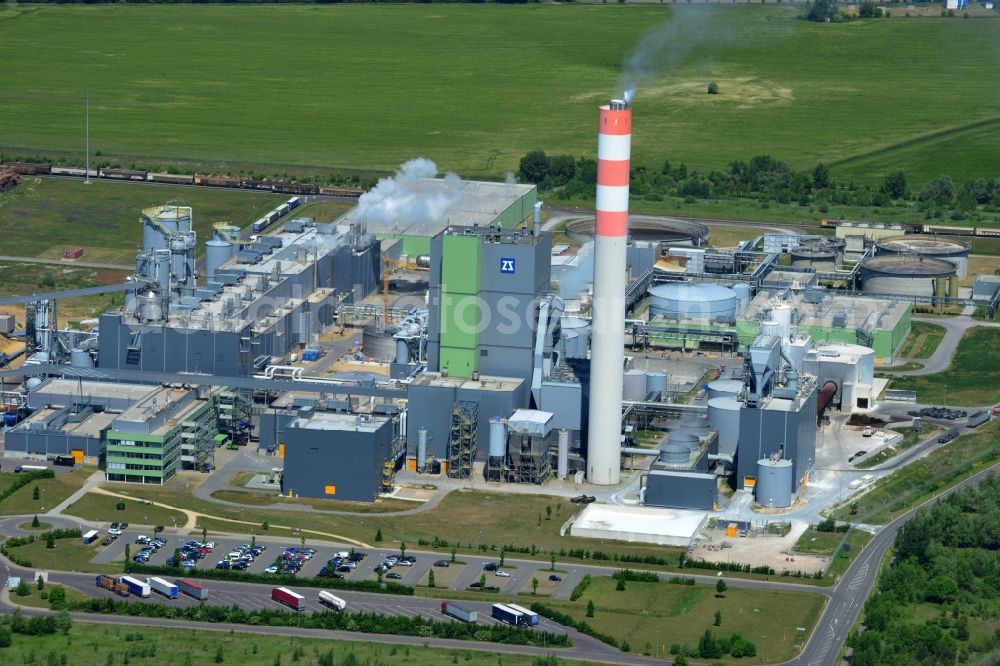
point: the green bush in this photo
(580, 588)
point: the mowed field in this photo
(475, 87)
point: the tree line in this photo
(764, 179)
(939, 600)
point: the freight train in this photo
(933, 229)
(279, 186)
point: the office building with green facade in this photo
(146, 442)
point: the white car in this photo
(503, 574)
(405, 563)
(208, 544)
(114, 531)
(273, 569)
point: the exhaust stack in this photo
(614, 144)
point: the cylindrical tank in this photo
(562, 459)
(421, 448)
(80, 358)
(782, 315)
(724, 388)
(217, 252)
(160, 221)
(656, 382)
(903, 275)
(424, 261)
(952, 250)
(150, 310)
(498, 437)
(676, 455)
(161, 268)
(402, 351)
(683, 438)
(575, 332)
(724, 416)
(771, 328)
(226, 232)
(684, 300)
(774, 483)
(379, 345)
(820, 258)
(32, 383)
(634, 386)
(742, 291)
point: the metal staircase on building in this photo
(462, 441)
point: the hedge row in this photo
(23, 479)
(372, 623)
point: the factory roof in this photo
(484, 383)
(640, 521)
(88, 427)
(94, 389)
(474, 203)
(151, 406)
(923, 245)
(855, 312)
(333, 421)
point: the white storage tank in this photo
(575, 335)
(742, 291)
(905, 275)
(217, 252)
(498, 437)
(690, 300)
(80, 358)
(634, 385)
(656, 382)
(774, 483)
(724, 387)
(724, 417)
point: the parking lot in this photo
(469, 573)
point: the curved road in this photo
(940, 360)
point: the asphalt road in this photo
(849, 596)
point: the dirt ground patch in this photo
(746, 92)
(762, 550)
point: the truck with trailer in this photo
(192, 588)
(291, 599)
(90, 537)
(506, 614)
(977, 419)
(113, 584)
(135, 586)
(29, 468)
(332, 601)
(167, 589)
(458, 612)
(529, 617)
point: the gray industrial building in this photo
(336, 456)
(681, 490)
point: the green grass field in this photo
(923, 340)
(818, 543)
(310, 88)
(102, 644)
(679, 614)
(68, 555)
(50, 493)
(104, 508)
(103, 217)
(971, 377)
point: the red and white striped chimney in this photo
(607, 358)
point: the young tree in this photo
(590, 608)
(821, 176)
(680, 660)
(402, 548)
(35, 522)
(204, 534)
(57, 597)
(253, 540)
(534, 585)
(713, 88)
(22, 589)
(36, 493)
(502, 555)
(620, 584)
(720, 587)
(548, 512)
(718, 618)
(50, 541)
(219, 657)
(41, 582)
(378, 534)
(552, 561)
(430, 578)
(128, 554)
(453, 555)
(482, 580)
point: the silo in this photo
(742, 291)
(159, 222)
(817, 257)
(421, 448)
(634, 386)
(771, 328)
(379, 344)
(562, 459)
(656, 382)
(575, 334)
(217, 252)
(904, 275)
(782, 315)
(675, 455)
(80, 358)
(498, 437)
(774, 483)
(724, 416)
(724, 388)
(689, 300)
(952, 250)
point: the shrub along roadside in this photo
(372, 623)
(569, 621)
(274, 579)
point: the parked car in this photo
(223, 564)
(273, 569)
(583, 499)
(142, 538)
(394, 576)
(114, 526)
(441, 563)
(123, 526)
(555, 579)
(491, 566)
(502, 574)
(158, 529)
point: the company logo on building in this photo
(507, 264)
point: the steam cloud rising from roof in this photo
(404, 201)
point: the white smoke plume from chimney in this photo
(573, 280)
(404, 201)
(665, 46)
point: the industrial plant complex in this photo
(436, 330)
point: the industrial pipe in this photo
(825, 397)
